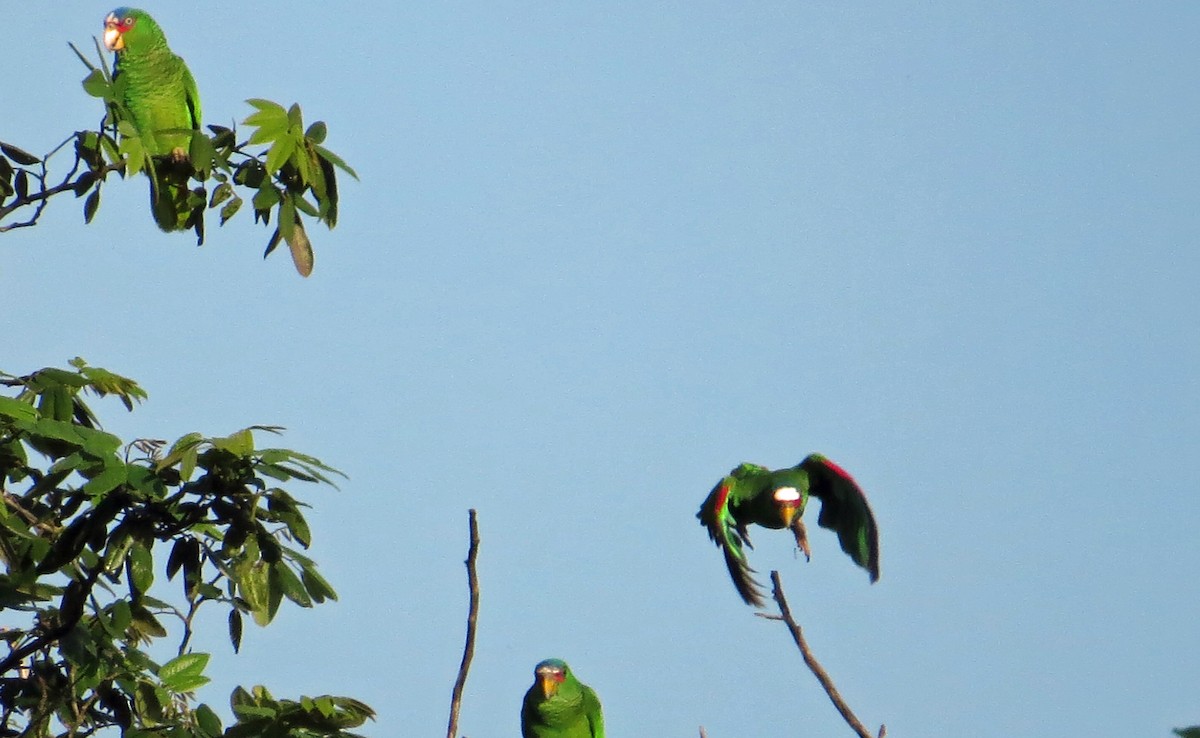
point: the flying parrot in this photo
(560, 706)
(776, 499)
(161, 96)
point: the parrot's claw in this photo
(801, 538)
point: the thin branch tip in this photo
(785, 614)
(472, 619)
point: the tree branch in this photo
(785, 614)
(69, 182)
(472, 617)
(70, 612)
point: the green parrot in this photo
(161, 96)
(776, 499)
(560, 706)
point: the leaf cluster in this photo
(281, 167)
(93, 531)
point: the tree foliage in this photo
(111, 548)
(282, 168)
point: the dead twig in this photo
(785, 614)
(472, 617)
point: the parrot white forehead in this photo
(787, 494)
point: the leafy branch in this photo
(82, 517)
(282, 167)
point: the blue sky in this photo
(599, 255)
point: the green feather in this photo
(746, 496)
(161, 97)
(572, 711)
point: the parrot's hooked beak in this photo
(114, 40)
(549, 684)
(787, 513)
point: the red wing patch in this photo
(837, 469)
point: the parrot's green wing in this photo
(191, 96)
(844, 510)
(717, 514)
(595, 716)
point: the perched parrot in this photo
(161, 97)
(560, 706)
(776, 499)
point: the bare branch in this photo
(813, 665)
(472, 617)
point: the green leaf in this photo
(120, 615)
(239, 443)
(295, 119)
(228, 211)
(201, 153)
(317, 587)
(83, 183)
(132, 150)
(298, 527)
(179, 553)
(266, 106)
(90, 205)
(183, 452)
(268, 129)
(220, 194)
(280, 152)
(184, 673)
(20, 156)
(235, 629)
(57, 430)
(96, 85)
(113, 475)
(334, 159)
(287, 217)
(97, 443)
(266, 198)
(316, 132)
(118, 549)
(290, 584)
(141, 567)
(276, 237)
(208, 722)
(144, 622)
(254, 586)
(17, 409)
(306, 207)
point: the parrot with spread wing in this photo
(560, 706)
(160, 95)
(776, 499)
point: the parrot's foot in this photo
(179, 155)
(801, 538)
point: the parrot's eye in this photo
(128, 22)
